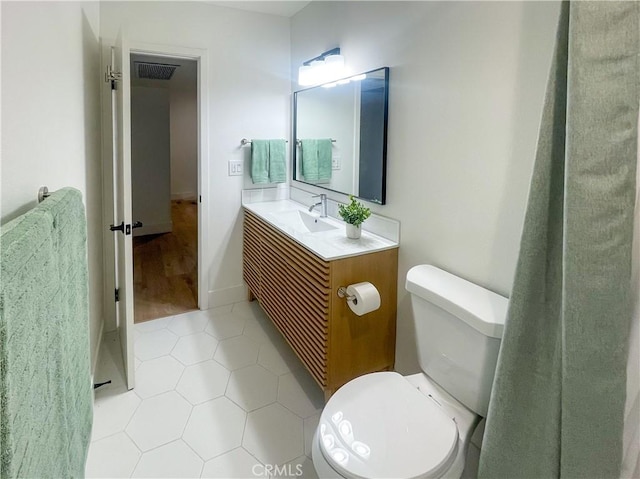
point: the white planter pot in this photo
(353, 231)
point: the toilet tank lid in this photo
(480, 308)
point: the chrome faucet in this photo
(322, 204)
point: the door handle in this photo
(120, 227)
(126, 229)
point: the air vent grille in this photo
(154, 71)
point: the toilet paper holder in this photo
(342, 292)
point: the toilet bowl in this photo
(384, 425)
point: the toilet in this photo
(384, 425)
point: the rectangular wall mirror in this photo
(340, 132)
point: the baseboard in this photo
(188, 195)
(222, 297)
(153, 229)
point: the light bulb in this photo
(305, 75)
(334, 65)
(319, 72)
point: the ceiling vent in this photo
(154, 71)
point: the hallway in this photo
(165, 271)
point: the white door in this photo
(121, 114)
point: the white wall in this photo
(150, 160)
(467, 84)
(51, 116)
(184, 139)
(248, 96)
(183, 114)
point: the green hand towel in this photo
(260, 161)
(309, 151)
(324, 159)
(277, 161)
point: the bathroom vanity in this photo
(294, 272)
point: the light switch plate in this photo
(336, 162)
(235, 167)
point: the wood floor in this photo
(165, 267)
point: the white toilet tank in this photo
(458, 327)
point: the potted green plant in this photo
(354, 215)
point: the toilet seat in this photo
(380, 426)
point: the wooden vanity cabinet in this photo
(298, 291)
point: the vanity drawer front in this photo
(294, 291)
(251, 243)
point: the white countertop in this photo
(328, 245)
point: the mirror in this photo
(341, 135)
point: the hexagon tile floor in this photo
(218, 393)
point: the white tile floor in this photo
(218, 394)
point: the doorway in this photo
(164, 185)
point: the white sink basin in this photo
(324, 237)
(302, 222)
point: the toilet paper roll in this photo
(367, 298)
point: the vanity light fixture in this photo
(324, 68)
(344, 81)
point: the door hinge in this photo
(200, 198)
(112, 77)
(117, 294)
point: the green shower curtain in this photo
(558, 397)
